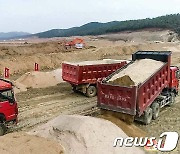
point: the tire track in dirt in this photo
(38, 110)
(168, 120)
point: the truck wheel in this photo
(2, 129)
(91, 91)
(74, 89)
(155, 110)
(172, 99)
(147, 116)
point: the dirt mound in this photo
(57, 74)
(137, 72)
(152, 34)
(123, 81)
(38, 80)
(19, 87)
(31, 49)
(17, 143)
(79, 134)
(130, 129)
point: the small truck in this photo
(141, 102)
(83, 76)
(8, 106)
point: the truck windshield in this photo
(7, 95)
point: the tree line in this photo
(171, 22)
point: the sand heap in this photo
(19, 143)
(136, 73)
(80, 135)
(19, 87)
(130, 129)
(97, 62)
(38, 80)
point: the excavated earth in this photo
(18, 143)
(136, 73)
(39, 105)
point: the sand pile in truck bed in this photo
(80, 134)
(38, 80)
(136, 73)
(22, 143)
(97, 62)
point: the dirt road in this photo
(37, 106)
(168, 121)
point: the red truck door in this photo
(8, 106)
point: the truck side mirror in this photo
(11, 100)
(178, 74)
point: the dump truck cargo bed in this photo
(88, 72)
(134, 99)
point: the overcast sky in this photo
(40, 15)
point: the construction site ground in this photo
(37, 106)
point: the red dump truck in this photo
(83, 76)
(8, 106)
(144, 100)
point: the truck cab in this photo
(8, 105)
(174, 78)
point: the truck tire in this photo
(74, 89)
(91, 91)
(2, 129)
(172, 99)
(155, 110)
(147, 116)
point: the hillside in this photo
(86, 29)
(171, 22)
(11, 35)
